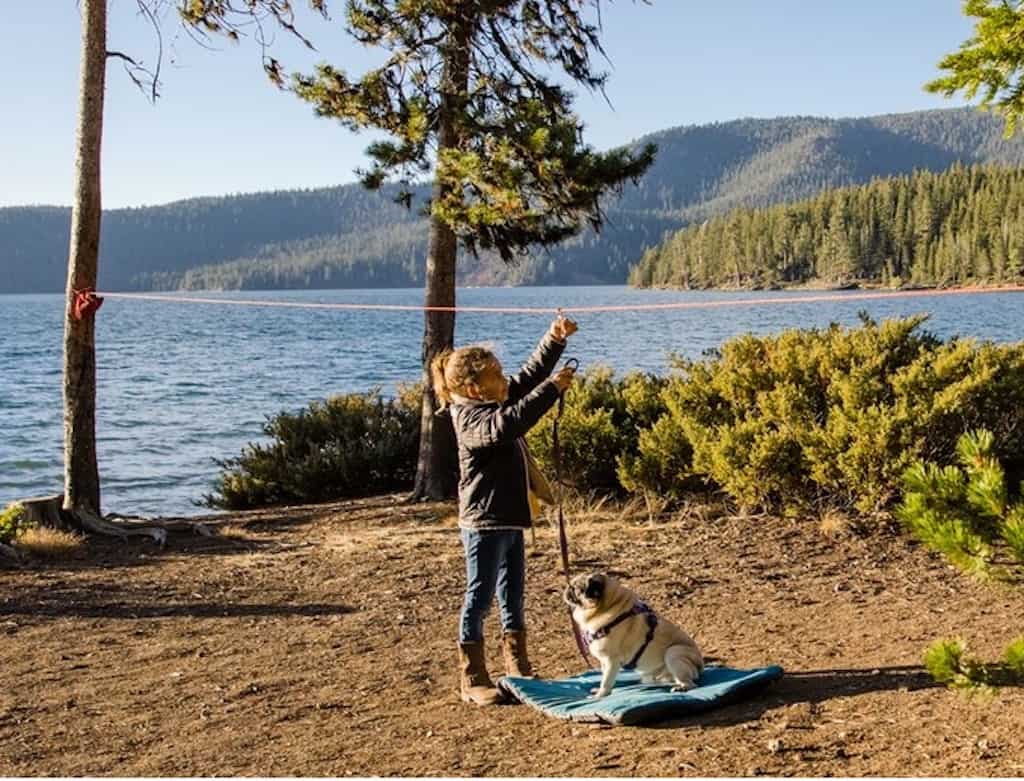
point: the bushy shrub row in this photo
(831, 417)
(804, 420)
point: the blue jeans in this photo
(495, 560)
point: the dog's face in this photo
(588, 591)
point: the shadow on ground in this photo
(811, 686)
(58, 599)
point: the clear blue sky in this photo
(221, 128)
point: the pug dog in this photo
(622, 632)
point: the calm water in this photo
(183, 384)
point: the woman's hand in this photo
(562, 328)
(564, 378)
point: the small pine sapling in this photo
(965, 513)
(948, 663)
(1012, 531)
(1013, 658)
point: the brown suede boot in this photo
(517, 663)
(475, 684)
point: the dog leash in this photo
(563, 538)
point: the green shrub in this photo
(934, 511)
(827, 418)
(351, 445)
(948, 663)
(599, 427)
(789, 420)
(12, 522)
(964, 512)
(1013, 657)
(1012, 530)
(662, 464)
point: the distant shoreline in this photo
(818, 287)
(796, 287)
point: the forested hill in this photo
(170, 239)
(348, 237)
(961, 226)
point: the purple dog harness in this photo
(639, 608)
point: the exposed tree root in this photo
(49, 511)
(9, 554)
(168, 524)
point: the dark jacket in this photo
(493, 465)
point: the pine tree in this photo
(991, 62)
(839, 259)
(465, 94)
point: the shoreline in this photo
(814, 287)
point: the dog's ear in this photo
(595, 586)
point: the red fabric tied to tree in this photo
(85, 303)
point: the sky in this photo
(220, 127)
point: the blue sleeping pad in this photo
(632, 702)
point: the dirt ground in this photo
(321, 641)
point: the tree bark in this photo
(7, 553)
(47, 511)
(436, 469)
(436, 466)
(81, 472)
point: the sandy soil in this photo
(320, 641)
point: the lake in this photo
(180, 385)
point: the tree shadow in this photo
(189, 609)
(134, 552)
(251, 531)
(280, 518)
(144, 610)
(811, 686)
(390, 508)
(57, 598)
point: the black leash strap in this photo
(563, 538)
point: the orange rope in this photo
(302, 305)
(766, 301)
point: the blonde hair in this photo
(453, 370)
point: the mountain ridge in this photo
(344, 236)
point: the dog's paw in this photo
(684, 687)
(598, 694)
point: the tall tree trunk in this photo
(81, 473)
(436, 469)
